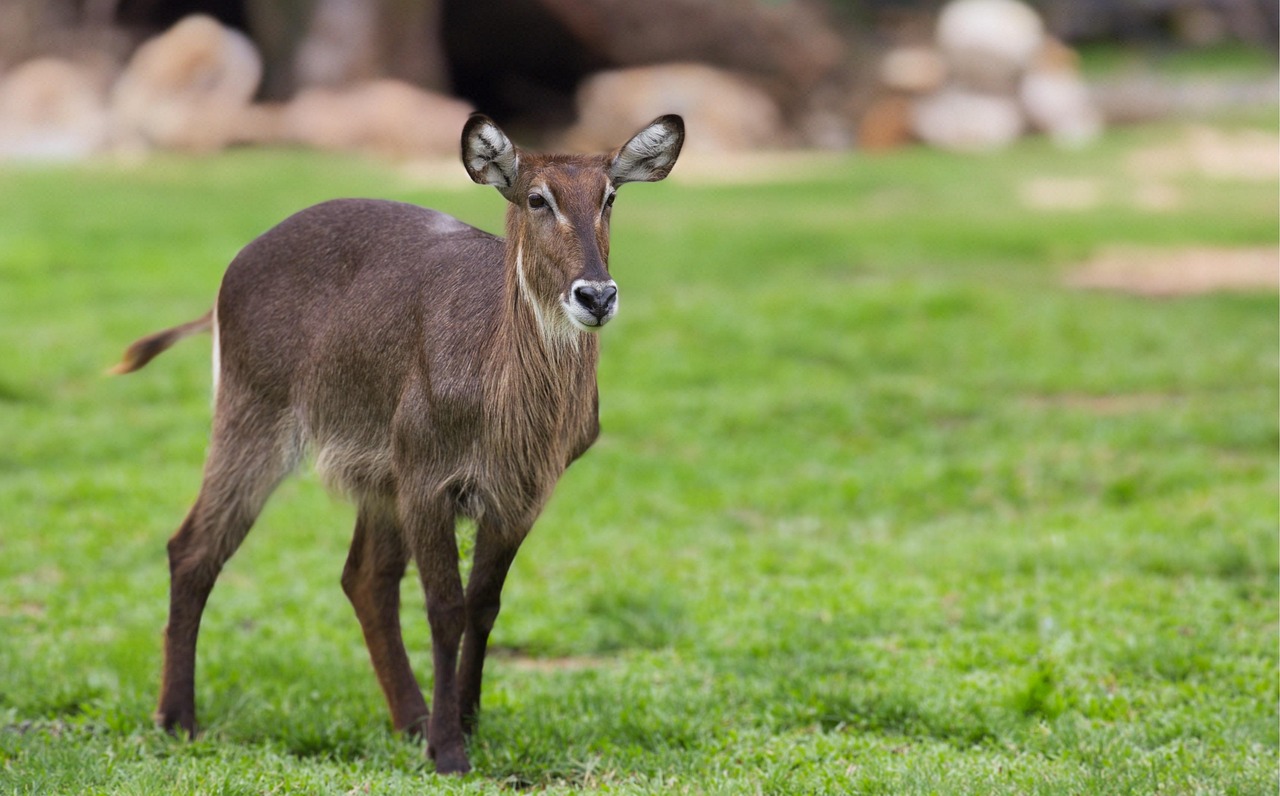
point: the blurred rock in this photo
(51, 109)
(723, 111)
(913, 70)
(989, 42)
(1057, 102)
(826, 128)
(384, 117)
(886, 124)
(967, 121)
(262, 123)
(187, 88)
(993, 75)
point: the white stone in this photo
(967, 121)
(988, 42)
(1057, 101)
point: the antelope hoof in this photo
(451, 761)
(177, 723)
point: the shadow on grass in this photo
(896, 713)
(10, 394)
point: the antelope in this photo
(434, 371)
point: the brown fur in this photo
(433, 373)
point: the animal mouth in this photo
(583, 319)
(591, 304)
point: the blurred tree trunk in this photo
(81, 31)
(411, 42)
(278, 27)
(790, 43)
(27, 24)
(332, 42)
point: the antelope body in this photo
(434, 371)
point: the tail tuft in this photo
(148, 348)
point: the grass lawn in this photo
(881, 505)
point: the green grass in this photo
(1223, 60)
(880, 506)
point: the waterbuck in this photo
(434, 371)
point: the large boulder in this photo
(187, 88)
(967, 121)
(723, 111)
(51, 109)
(988, 43)
(383, 117)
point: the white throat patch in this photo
(553, 332)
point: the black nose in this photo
(597, 300)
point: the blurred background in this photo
(940, 448)
(83, 78)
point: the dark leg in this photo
(371, 581)
(429, 528)
(193, 568)
(237, 482)
(493, 556)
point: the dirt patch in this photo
(1107, 405)
(1182, 272)
(1244, 155)
(1062, 193)
(1154, 177)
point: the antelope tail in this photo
(151, 346)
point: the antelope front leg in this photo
(435, 549)
(493, 556)
(371, 580)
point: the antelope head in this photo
(558, 219)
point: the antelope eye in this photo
(609, 202)
(537, 200)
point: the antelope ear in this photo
(488, 155)
(650, 154)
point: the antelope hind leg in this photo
(241, 472)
